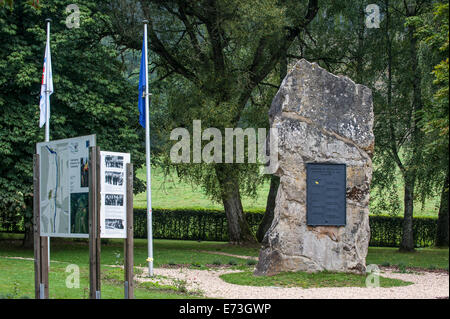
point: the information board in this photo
(64, 186)
(326, 194)
(113, 185)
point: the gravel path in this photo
(426, 285)
(227, 254)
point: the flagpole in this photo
(47, 120)
(147, 163)
(47, 94)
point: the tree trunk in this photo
(28, 220)
(238, 230)
(274, 180)
(266, 222)
(407, 243)
(442, 225)
(28, 239)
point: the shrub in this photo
(401, 267)
(189, 224)
(203, 224)
(386, 231)
(251, 262)
(211, 225)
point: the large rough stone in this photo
(321, 118)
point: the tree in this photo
(216, 53)
(432, 31)
(91, 94)
(352, 50)
(401, 103)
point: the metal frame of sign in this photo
(116, 213)
(73, 181)
(41, 262)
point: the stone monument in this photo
(325, 145)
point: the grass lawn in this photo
(165, 252)
(170, 192)
(425, 258)
(17, 281)
(305, 280)
(428, 258)
(202, 253)
(17, 275)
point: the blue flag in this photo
(142, 80)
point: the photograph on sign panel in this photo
(79, 213)
(114, 223)
(112, 161)
(114, 178)
(84, 172)
(113, 200)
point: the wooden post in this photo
(128, 247)
(94, 234)
(44, 265)
(40, 243)
(36, 227)
(97, 216)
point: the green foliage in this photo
(212, 225)
(10, 3)
(432, 31)
(251, 262)
(188, 224)
(385, 231)
(401, 268)
(213, 70)
(91, 94)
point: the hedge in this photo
(386, 231)
(188, 224)
(212, 225)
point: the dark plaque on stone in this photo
(325, 194)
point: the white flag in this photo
(47, 84)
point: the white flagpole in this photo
(47, 93)
(147, 151)
(47, 120)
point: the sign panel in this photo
(326, 194)
(64, 186)
(113, 194)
